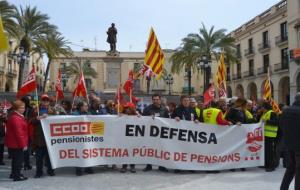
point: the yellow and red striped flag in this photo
(221, 77)
(267, 93)
(3, 38)
(155, 57)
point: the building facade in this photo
(9, 69)
(263, 45)
(113, 70)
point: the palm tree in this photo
(53, 46)
(207, 43)
(7, 13)
(32, 25)
(74, 70)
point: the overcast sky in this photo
(85, 22)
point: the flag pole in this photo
(118, 99)
(56, 98)
(130, 97)
(37, 99)
(74, 98)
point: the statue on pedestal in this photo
(112, 38)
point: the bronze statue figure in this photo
(112, 37)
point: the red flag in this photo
(128, 87)
(80, 89)
(58, 88)
(28, 85)
(209, 95)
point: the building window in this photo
(228, 72)
(284, 58)
(265, 39)
(238, 51)
(251, 67)
(283, 30)
(266, 62)
(250, 45)
(88, 83)
(239, 70)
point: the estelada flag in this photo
(209, 95)
(155, 57)
(4, 46)
(80, 89)
(28, 85)
(58, 87)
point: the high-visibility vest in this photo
(249, 114)
(198, 111)
(210, 115)
(270, 130)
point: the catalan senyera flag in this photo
(80, 89)
(221, 77)
(267, 95)
(3, 38)
(155, 57)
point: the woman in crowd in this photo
(16, 139)
(82, 109)
(129, 109)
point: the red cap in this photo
(45, 96)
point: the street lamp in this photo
(169, 80)
(204, 64)
(22, 58)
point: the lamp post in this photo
(22, 58)
(169, 80)
(204, 64)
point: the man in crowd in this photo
(156, 109)
(270, 119)
(289, 123)
(184, 111)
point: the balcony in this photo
(262, 70)
(281, 40)
(281, 67)
(248, 73)
(264, 47)
(185, 90)
(249, 52)
(1, 70)
(236, 76)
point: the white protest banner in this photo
(83, 141)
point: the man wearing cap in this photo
(289, 123)
(156, 109)
(270, 119)
(39, 142)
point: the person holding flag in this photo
(270, 118)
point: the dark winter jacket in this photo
(290, 125)
(185, 113)
(235, 115)
(158, 111)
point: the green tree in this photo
(7, 13)
(74, 70)
(31, 25)
(53, 46)
(207, 43)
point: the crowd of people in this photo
(22, 134)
